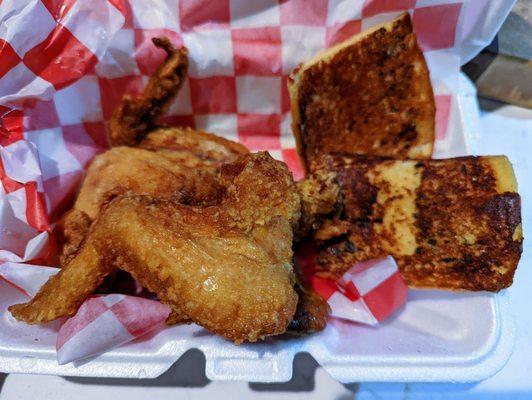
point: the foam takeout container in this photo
(241, 54)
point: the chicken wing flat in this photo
(161, 162)
(203, 267)
(128, 170)
(135, 117)
(177, 163)
(226, 267)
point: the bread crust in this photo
(368, 95)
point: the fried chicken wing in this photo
(171, 167)
(203, 267)
(135, 117)
(226, 267)
(175, 163)
(171, 163)
(63, 293)
(128, 170)
(70, 234)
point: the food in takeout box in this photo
(209, 227)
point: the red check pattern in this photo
(100, 324)
(34, 211)
(11, 129)
(53, 52)
(126, 317)
(369, 292)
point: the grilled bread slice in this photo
(450, 224)
(368, 95)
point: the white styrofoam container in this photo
(439, 336)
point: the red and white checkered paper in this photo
(65, 64)
(368, 292)
(101, 323)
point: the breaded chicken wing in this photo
(176, 163)
(63, 293)
(203, 267)
(226, 267)
(135, 117)
(169, 166)
(128, 170)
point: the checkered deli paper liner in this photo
(65, 65)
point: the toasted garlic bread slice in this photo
(368, 95)
(450, 224)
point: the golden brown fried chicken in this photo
(135, 117)
(70, 234)
(128, 170)
(205, 268)
(168, 163)
(177, 163)
(173, 162)
(64, 292)
(226, 267)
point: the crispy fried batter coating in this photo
(135, 117)
(71, 232)
(182, 165)
(129, 170)
(64, 293)
(176, 163)
(226, 267)
(204, 268)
